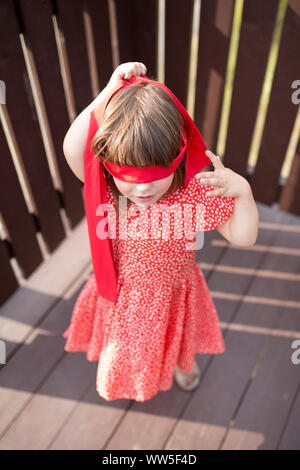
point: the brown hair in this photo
(141, 127)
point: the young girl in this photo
(146, 311)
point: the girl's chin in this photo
(143, 203)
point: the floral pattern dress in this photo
(164, 313)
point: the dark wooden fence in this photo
(56, 56)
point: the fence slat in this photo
(214, 37)
(281, 111)
(98, 11)
(39, 33)
(73, 31)
(137, 28)
(8, 281)
(17, 219)
(254, 46)
(178, 27)
(290, 195)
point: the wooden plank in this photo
(163, 413)
(8, 280)
(75, 43)
(281, 112)
(204, 421)
(210, 255)
(91, 423)
(137, 27)
(98, 13)
(254, 46)
(49, 408)
(42, 352)
(289, 199)
(252, 345)
(214, 37)
(269, 396)
(29, 419)
(25, 309)
(40, 37)
(290, 436)
(178, 35)
(147, 425)
(19, 223)
(265, 407)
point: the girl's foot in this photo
(188, 381)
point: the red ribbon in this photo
(95, 185)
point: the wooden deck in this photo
(248, 397)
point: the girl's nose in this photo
(143, 187)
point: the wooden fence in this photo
(56, 56)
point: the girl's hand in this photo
(227, 182)
(125, 71)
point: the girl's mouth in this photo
(144, 198)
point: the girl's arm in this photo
(241, 229)
(75, 139)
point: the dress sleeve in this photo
(209, 212)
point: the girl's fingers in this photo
(215, 192)
(140, 66)
(135, 68)
(203, 174)
(210, 181)
(215, 159)
(125, 72)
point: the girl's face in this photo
(156, 189)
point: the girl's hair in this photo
(141, 127)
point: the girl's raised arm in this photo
(75, 139)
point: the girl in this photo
(146, 311)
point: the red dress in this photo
(164, 313)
